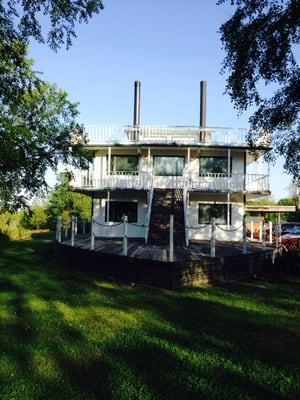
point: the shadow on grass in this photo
(65, 335)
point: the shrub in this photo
(11, 227)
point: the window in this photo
(168, 166)
(208, 211)
(117, 209)
(214, 165)
(125, 164)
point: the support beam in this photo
(109, 161)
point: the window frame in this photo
(181, 157)
(215, 157)
(225, 222)
(112, 204)
(113, 170)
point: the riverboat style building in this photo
(148, 173)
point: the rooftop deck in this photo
(184, 135)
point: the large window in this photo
(218, 211)
(168, 166)
(214, 165)
(124, 164)
(117, 209)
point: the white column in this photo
(228, 168)
(270, 232)
(251, 230)
(125, 244)
(213, 238)
(109, 161)
(171, 239)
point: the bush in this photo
(35, 218)
(11, 227)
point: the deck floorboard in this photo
(137, 249)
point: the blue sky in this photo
(169, 46)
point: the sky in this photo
(169, 46)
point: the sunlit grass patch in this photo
(67, 335)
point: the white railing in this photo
(111, 134)
(146, 180)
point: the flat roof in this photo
(270, 209)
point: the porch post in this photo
(125, 244)
(251, 230)
(279, 227)
(213, 238)
(228, 168)
(109, 161)
(171, 240)
(260, 231)
(270, 232)
(264, 235)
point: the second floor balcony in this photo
(209, 182)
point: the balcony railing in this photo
(251, 183)
(113, 134)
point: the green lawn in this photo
(65, 335)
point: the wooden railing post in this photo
(213, 238)
(264, 236)
(72, 230)
(244, 236)
(125, 244)
(171, 239)
(270, 232)
(251, 230)
(76, 226)
(58, 229)
(92, 235)
(260, 231)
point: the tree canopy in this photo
(36, 118)
(261, 41)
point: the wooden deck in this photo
(140, 250)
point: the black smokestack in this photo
(137, 104)
(203, 104)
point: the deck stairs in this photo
(166, 202)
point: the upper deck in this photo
(114, 135)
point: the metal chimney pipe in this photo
(137, 104)
(203, 104)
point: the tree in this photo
(64, 203)
(260, 40)
(36, 118)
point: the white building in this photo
(150, 172)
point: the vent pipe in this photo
(203, 104)
(137, 104)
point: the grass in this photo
(65, 335)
